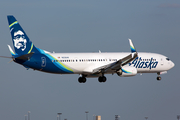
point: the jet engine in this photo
(127, 71)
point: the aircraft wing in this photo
(118, 64)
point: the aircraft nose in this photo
(172, 64)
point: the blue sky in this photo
(90, 26)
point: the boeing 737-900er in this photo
(124, 64)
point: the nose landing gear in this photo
(158, 77)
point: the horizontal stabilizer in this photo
(6, 57)
(25, 57)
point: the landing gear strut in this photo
(158, 77)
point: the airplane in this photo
(87, 65)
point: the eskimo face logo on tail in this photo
(19, 40)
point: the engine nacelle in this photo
(127, 71)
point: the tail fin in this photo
(21, 42)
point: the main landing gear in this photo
(82, 79)
(158, 77)
(102, 79)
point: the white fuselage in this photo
(86, 62)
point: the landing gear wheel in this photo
(82, 79)
(102, 79)
(158, 78)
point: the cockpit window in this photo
(167, 59)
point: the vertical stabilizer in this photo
(21, 42)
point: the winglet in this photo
(10, 49)
(132, 46)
